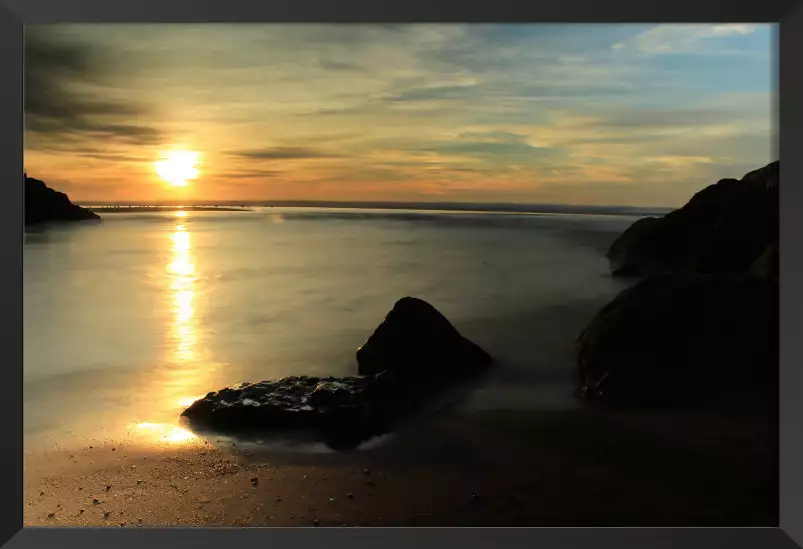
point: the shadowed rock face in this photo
(724, 228)
(683, 339)
(706, 330)
(413, 354)
(415, 341)
(43, 204)
(348, 409)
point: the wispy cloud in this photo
(526, 112)
(57, 105)
(686, 39)
(283, 153)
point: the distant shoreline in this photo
(420, 206)
(125, 209)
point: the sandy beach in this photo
(575, 468)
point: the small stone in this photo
(366, 472)
(80, 488)
(278, 499)
(80, 511)
(475, 496)
(95, 501)
(114, 449)
(42, 493)
(107, 514)
(332, 499)
(51, 515)
(108, 488)
(254, 481)
(139, 482)
(350, 495)
(316, 522)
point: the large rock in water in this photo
(724, 228)
(346, 410)
(683, 339)
(417, 342)
(43, 204)
(413, 354)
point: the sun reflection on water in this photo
(186, 372)
(166, 433)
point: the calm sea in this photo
(128, 321)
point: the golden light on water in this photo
(177, 168)
(182, 270)
(185, 375)
(166, 433)
(185, 402)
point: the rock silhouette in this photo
(415, 342)
(724, 228)
(683, 339)
(43, 204)
(702, 327)
(412, 355)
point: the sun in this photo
(178, 168)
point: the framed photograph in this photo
(414, 273)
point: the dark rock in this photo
(673, 339)
(43, 204)
(417, 342)
(412, 355)
(767, 263)
(723, 229)
(341, 408)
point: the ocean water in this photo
(128, 321)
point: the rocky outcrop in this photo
(344, 410)
(683, 339)
(724, 228)
(43, 204)
(416, 342)
(412, 355)
(703, 325)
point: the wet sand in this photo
(572, 468)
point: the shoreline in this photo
(577, 468)
(128, 209)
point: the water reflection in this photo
(181, 272)
(187, 372)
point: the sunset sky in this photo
(577, 114)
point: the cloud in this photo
(55, 70)
(248, 174)
(283, 153)
(430, 93)
(683, 38)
